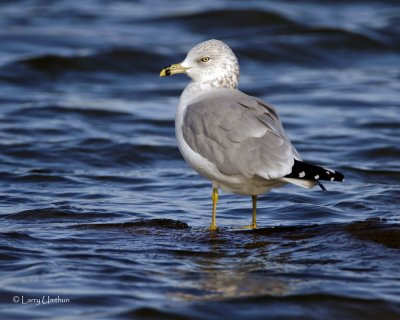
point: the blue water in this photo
(98, 210)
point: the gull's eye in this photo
(205, 59)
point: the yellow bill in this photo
(173, 69)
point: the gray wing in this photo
(240, 134)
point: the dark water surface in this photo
(99, 210)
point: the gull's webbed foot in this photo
(251, 226)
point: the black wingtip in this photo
(338, 176)
(307, 171)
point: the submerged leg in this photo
(214, 198)
(253, 224)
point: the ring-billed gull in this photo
(235, 140)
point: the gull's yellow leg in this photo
(214, 198)
(254, 216)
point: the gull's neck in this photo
(196, 87)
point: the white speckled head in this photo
(213, 62)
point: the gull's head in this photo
(210, 62)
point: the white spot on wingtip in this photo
(302, 174)
(316, 177)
